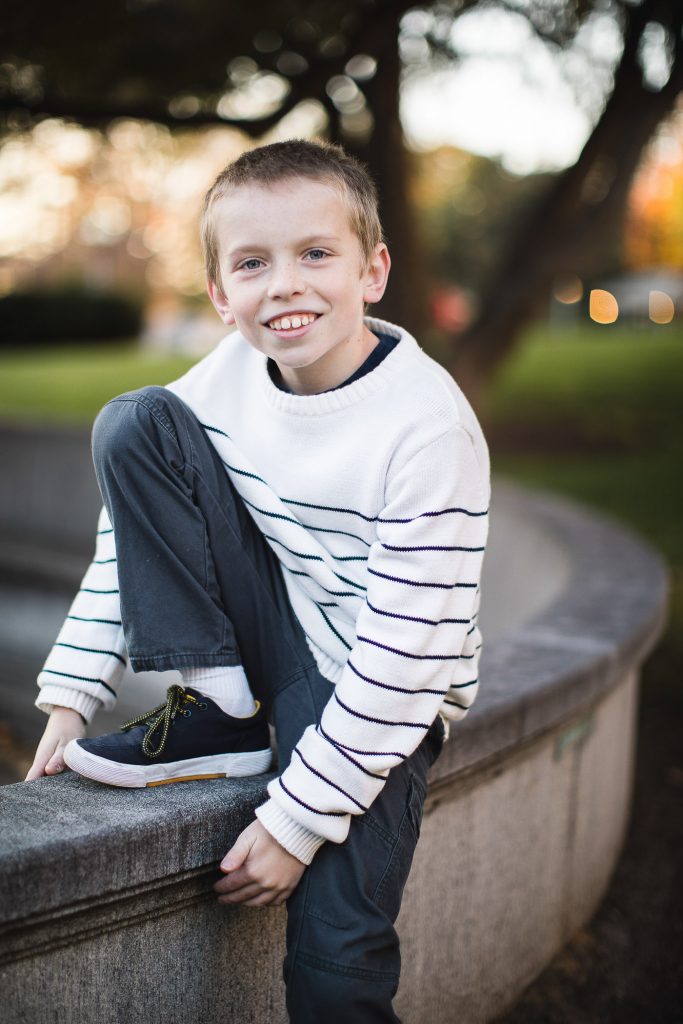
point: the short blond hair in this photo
(296, 158)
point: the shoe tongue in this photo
(195, 693)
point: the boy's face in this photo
(293, 279)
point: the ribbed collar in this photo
(348, 394)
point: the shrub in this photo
(71, 313)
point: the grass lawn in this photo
(595, 414)
(602, 415)
(71, 384)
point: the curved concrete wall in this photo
(106, 908)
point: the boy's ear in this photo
(377, 274)
(220, 303)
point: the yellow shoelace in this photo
(176, 698)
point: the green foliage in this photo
(68, 313)
(172, 58)
(469, 208)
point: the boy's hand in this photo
(259, 872)
(64, 724)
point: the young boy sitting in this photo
(297, 525)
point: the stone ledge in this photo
(605, 621)
(108, 843)
(73, 841)
(47, 564)
(108, 912)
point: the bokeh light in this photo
(661, 308)
(603, 307)
(568, 289)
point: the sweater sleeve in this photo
(416, 651)
(88, 657)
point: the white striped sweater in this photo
(375, 498)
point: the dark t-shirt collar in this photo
(380, 351)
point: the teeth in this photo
(287, 323)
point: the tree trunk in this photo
(571, 227)
(406, 300)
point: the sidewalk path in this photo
(626, 967)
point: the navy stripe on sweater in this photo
(439, 512)
(314, 771)
(240, 472)
(369, 753)
(333, 630)
(338, 747)
(105, 622)
(331, 508)
(319, 558)
(390, 686)
(304, 526)
(334, 593)
(430, 547)
(215, 430)
(379, 721)
(314, 810)
(454, 704)
(419, 583)
(83, 679)
(90, 650)
(416, 618)
(407, 654)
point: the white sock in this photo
(226, 685)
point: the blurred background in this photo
(529, 157)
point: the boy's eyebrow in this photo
(243, 250)
(318, 238)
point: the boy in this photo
(298, 525)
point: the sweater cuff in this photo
(51, 696)
(295, 838)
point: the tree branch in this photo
(95, 115)
(569, 228)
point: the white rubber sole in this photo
(137, 776)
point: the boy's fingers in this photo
(237, 854)
(54, 765)
(63, 725)
(241, 895)
(43, 754)
(36, 771)
(267, 898)
(233, 881)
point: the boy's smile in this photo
(294, 281)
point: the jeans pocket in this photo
(389, 891)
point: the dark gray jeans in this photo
(199, 586)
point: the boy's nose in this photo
(285, 281)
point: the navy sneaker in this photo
(187, 737)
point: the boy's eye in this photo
(251, 264)
(316, 254)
